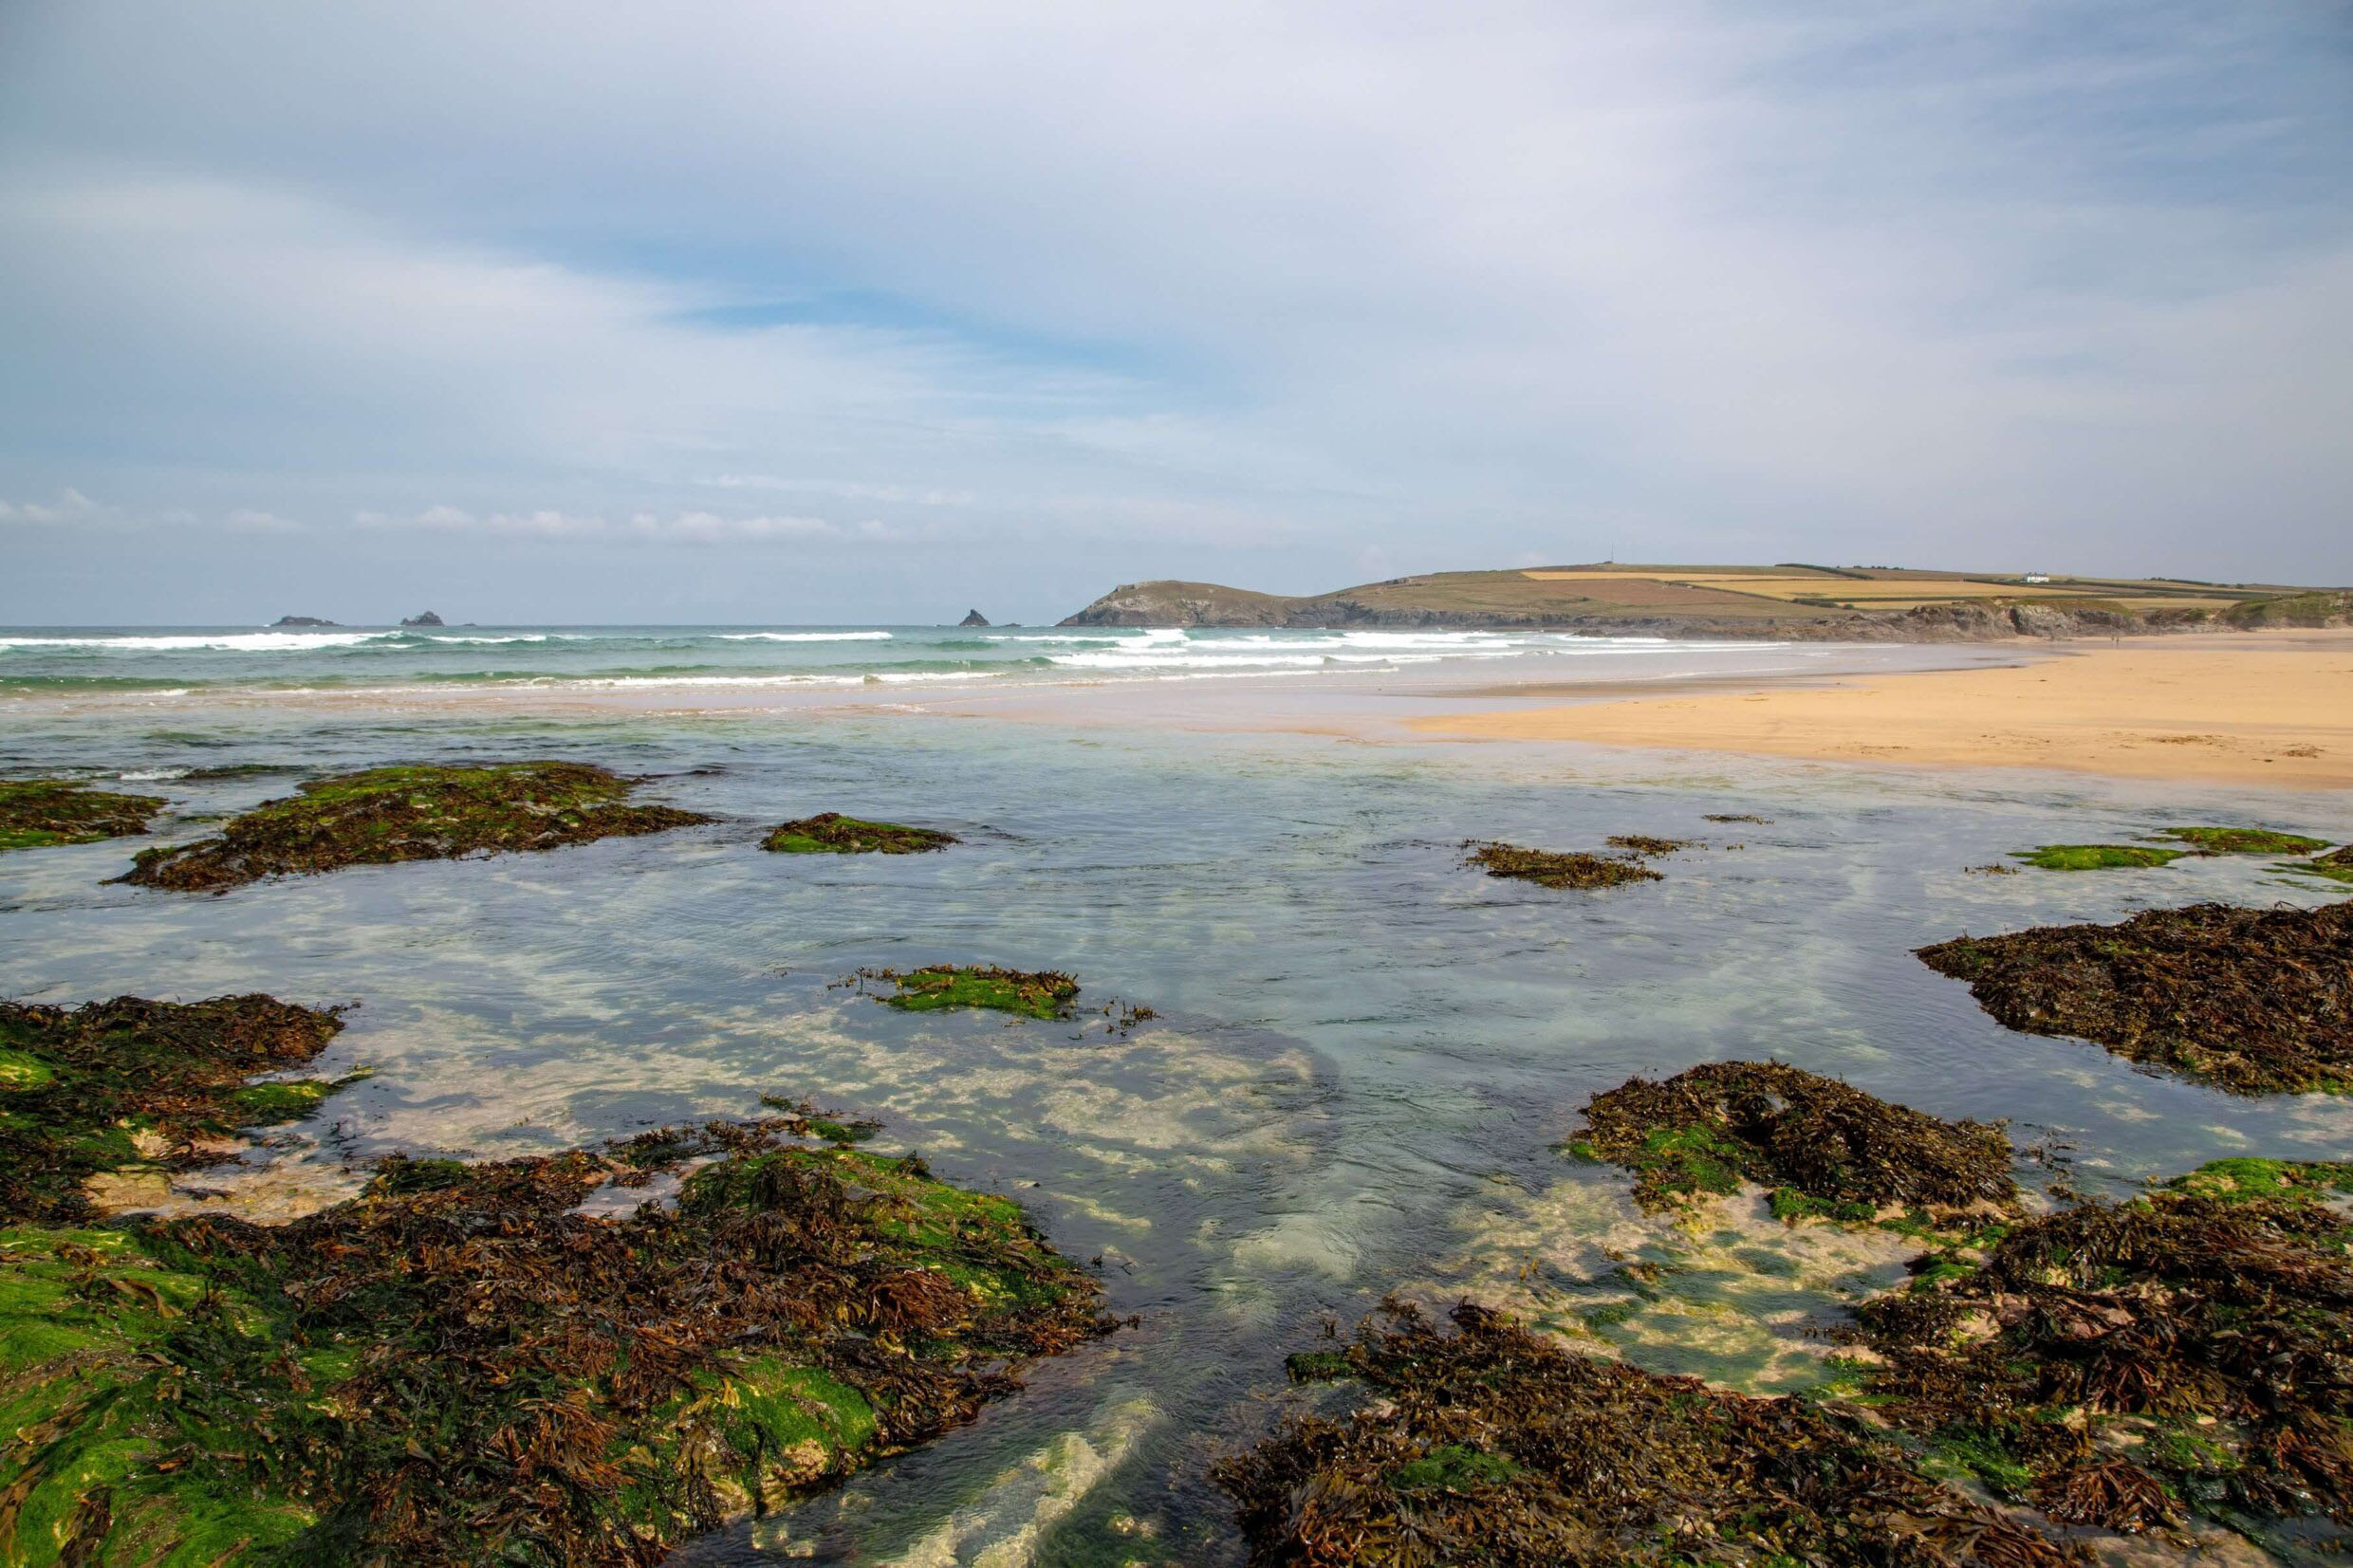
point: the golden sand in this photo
(2227, 709)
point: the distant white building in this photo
(2038, 577)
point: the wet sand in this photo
(2275, 708)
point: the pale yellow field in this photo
(1880, 592)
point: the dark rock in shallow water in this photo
(974, 617)
(37, 812)
(1574, 868)
(427, 619)
(830, 833)
(387, 814)
(301, 620)
(1821, 1145)
(2251, 1001)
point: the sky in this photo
(773, 312)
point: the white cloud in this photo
(71, 505)
(1429, 286)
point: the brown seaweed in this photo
(1647, 844)
(93, 1088)
(388, 814)
(2126, 1364)
(461, 1366)
(2250, 1000)
(1497, 1445)
(830, 833)
(1821, 1145)
(38, 812)
(1546, 868)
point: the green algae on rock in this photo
(2337, 865)
(2250, 1000)
(1043, 994)
(1820, 1146)
(461, 1366)
(131, 1081)
(1497, 1445)
(2129, 1364)
(830, 833)
(2242, 840)
(1545, 868)
(35, 813)
(2100, 857)
(387, 814)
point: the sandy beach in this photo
(2273, 710)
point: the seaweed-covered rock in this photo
(132, 1082)
(1495, 1445)
(1821, 1145)
(1647, 844)
(830, 833)
(387, 814)
(2337, 865)
(38, 812)
(2126, 1364)
(2250, 1000)
(2101, 856)
(1574, 868)
(1042, 994)
(2242, 840)
(463, 1366)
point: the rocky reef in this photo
(830, 833)
(1042, 994)
(38, 812)
(2251, 1001)
(1818, 1145)
(388, 814)
(581, 1358)
(2132, 1365)
(158, 1085)
(1552, 869)
(1497, 1445)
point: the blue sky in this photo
(811, 312)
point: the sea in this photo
(1365, 1055)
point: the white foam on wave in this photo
(518, 636)
(221, 642)
(882, 678)
(803, 636)
(1099, 636)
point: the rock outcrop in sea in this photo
(425, 617)
(303, 620)
(974, 617)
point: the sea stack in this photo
(974, 617)
(301, 620)
(423, 619)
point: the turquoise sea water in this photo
(1363, 1056)
(656, 659)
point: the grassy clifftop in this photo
(1786, 601)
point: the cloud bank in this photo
(739, 311)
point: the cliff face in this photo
(1380, 605)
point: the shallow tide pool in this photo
(1363, 1058)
